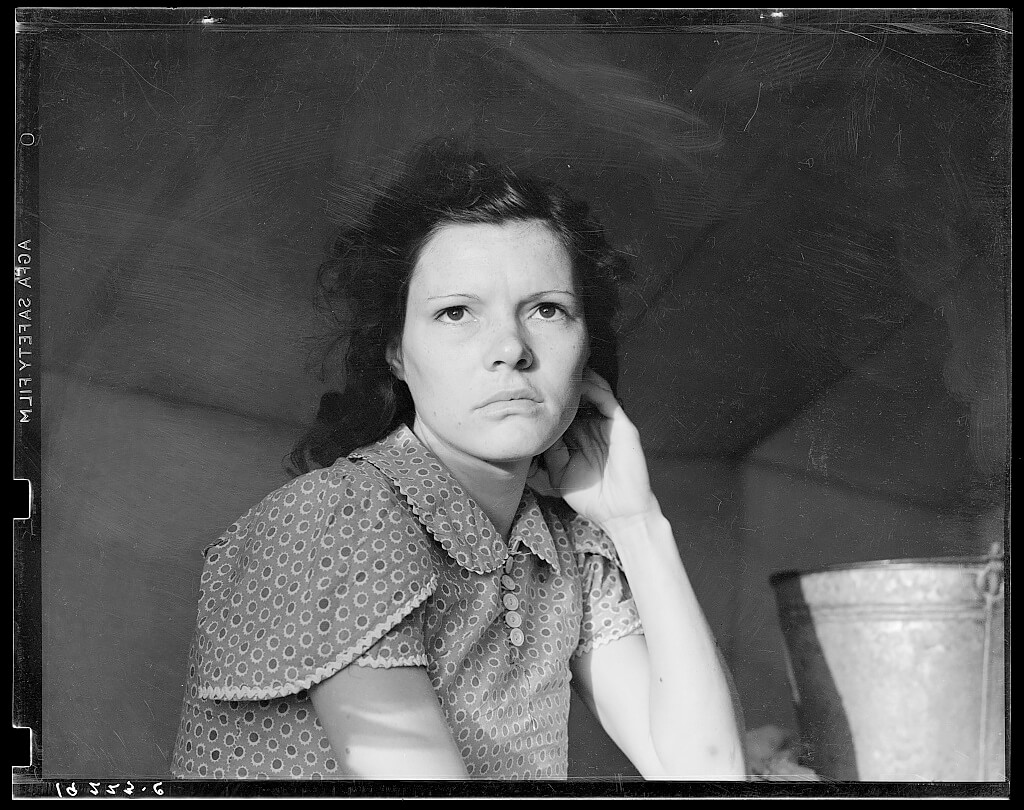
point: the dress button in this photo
(517, 637)
(510, 601)
(509, 564)
(513, 619)
(508, 582)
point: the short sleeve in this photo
(401, 646)
(324, 570)
(609, 612)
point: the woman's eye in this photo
(452, 314)
(549, 312)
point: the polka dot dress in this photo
(383, 560)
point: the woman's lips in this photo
(526, 397)
(511, 406)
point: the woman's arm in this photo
(387, 724)
(663, 697)
(666, 698)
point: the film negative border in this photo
(26, 721)
(26, 746)
(82, 787)
(823, 21)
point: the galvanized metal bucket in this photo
(897, 668)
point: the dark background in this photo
(816, 349)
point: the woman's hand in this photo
(598, 466)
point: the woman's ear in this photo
(393, 355)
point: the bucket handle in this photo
(989, 582)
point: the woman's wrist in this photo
(646, 545)
(649, 520)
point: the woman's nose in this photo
(510, 348)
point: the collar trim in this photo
(447, 510)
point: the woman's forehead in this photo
(528, 251)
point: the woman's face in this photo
(494, 344)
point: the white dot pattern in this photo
(383, 560)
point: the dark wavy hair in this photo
(370, 263)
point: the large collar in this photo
(447, 510)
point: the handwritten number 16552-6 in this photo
(99, 788)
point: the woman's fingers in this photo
(597, 379)
(596, 390)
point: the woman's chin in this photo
(509, 444)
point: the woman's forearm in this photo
(693, 724)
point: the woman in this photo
(408, 607)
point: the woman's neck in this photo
(496, 488)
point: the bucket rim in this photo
(785, 575)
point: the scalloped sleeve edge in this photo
(634, 628)
(322, 673)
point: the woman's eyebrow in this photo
(453, 295)
(542, 293)
(538, 294)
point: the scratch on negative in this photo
(921, 61)
(119, 737)
(132, 68)
(366, 75)
(758, 104)
(830, 47)
(986, 25)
